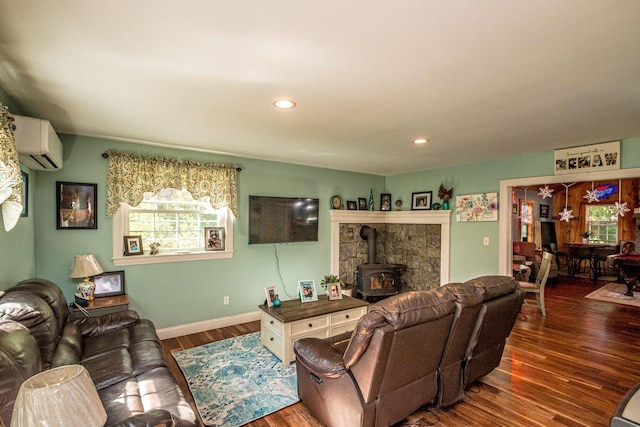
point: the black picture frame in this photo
(352, 205)
(109, 284)
(385, 202)
(76, 206)
(421, 201)
(25, 194)
(362, 204)
(544, 211)
(133, 245)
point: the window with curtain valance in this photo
(129, 176)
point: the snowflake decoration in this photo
(566, 214)
(591, 196)
(545, 192)
(621, 208)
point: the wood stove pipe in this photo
(369, 234)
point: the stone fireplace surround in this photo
(419, 239)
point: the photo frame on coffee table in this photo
(270, 293)
(307, 289)
(334, 291)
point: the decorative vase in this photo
(347, 292)
(276, 301)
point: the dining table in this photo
(585, 251)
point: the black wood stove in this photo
(377, 280)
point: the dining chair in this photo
(537, 287)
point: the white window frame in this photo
(121, 229)
(597, 223)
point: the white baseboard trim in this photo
(205, 325)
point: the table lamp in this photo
(63, 396)
(85, 266)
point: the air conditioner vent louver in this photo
(38, 144)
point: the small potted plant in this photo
(585, 237)
(332, 278)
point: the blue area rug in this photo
(237, 380)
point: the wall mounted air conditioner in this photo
(38, 144)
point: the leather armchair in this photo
(388, 367)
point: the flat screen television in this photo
(282, 219)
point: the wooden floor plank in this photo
(569, 369)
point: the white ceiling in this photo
(481, 79)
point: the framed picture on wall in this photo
(25, 194)
(544, 211)
(76, 206)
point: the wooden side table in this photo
(102, 305)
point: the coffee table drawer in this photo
(347, 316)
(272, 341)
(308, 325)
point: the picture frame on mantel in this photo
(421, 201)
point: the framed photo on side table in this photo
(133, 245)
(109, 283)
(307, 289)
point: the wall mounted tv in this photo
(282, 219)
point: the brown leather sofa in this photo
(409, 350)
(122, 353)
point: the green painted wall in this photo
(18, 246)
(173, 294)
(185, 292)
(469, 256)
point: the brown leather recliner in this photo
(411, 349)
(390, 365)
(502, 300)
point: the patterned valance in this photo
(129, 176)
(10, 174)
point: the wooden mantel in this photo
(442, 217)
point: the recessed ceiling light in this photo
(421, 141)
(284, 104)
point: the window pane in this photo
(602, 222)
(173, 219)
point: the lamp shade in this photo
(63, 396)
(85, 266)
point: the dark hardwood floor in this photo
(568, 369)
